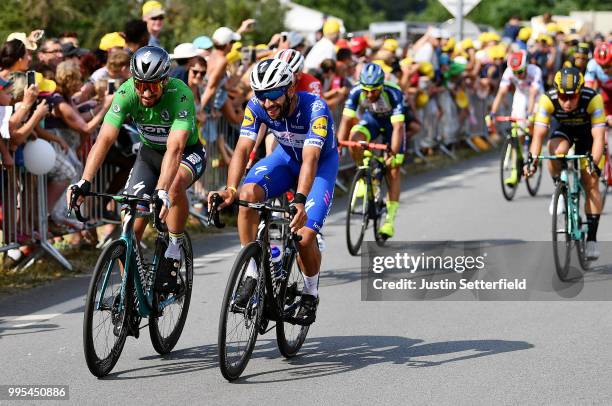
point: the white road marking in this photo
(32, 318)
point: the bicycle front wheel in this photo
(238, 328)
(290, 337)
(357, 212)
(560, 231)
(170, 310)
(379, 193)
(533, 182)
(509, 168)
(106, 318)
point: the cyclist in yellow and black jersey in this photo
(580, 121)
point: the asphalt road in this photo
(357, 352)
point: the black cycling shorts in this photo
(145, 173)
(580, 136)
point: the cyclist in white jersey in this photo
(527, 82)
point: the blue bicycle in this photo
(122, 292)
(569, 226)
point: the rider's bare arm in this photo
(310, 162)
(243, 149)
(106, 138)
(502, 92)
(172, 158)
(397, 137)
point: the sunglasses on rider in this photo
(566, 97)
(272, 94)
(158, 18)
(153, 87)
(371, 88)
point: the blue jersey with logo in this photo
(388, 107)
(310, 124)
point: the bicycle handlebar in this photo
(256, 206)
(592, 165)
(365, 145)
(511, 119)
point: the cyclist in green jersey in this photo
(171, 157)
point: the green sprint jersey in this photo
(174, 111)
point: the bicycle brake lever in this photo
(76, 207)
(157, 223)
(213, 214)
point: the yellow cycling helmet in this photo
(426, 69)
(450, 45)
(421, 100)
(467, 44)
(568, 81)
(390, 44)
(525, 33)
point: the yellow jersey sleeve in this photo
(596, 111)
(544, 111)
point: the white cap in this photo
(224, 36)
(444, 34)
(435, 32)
(294, 38)
(184, 51)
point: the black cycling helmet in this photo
(150, 64)
(568, 81)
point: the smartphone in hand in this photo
(110, 87)
(31, 78)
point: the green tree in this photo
(356, 14)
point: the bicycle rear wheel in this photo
(508, 164)
(560, 233)
(290, 337)
(357, 216)
(166, 327)
(105, 326)
(238, 328)
(585, 263)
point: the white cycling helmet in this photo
(271, 74)
(294, 58)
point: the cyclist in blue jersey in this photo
(380, 108)
(307, 155)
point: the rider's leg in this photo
(309, 259)
(178, 213)
(592, 205)
(358, 133)
(248, 218)
(558, 144)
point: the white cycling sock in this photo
(310, 285)
(251, 268)
(174, 246)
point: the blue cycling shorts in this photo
(278, 172)
(373, 127)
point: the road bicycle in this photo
(512, 154)
(569, 225)
(122, 291)
(367, 196)
(276, 296)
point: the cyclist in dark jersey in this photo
(580, 121)
(171, 157)
(380, 106)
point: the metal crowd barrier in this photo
(25, 214)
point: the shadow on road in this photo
(323, 356)
(8, 330)
(182, 361)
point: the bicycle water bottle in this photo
(276, 262)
